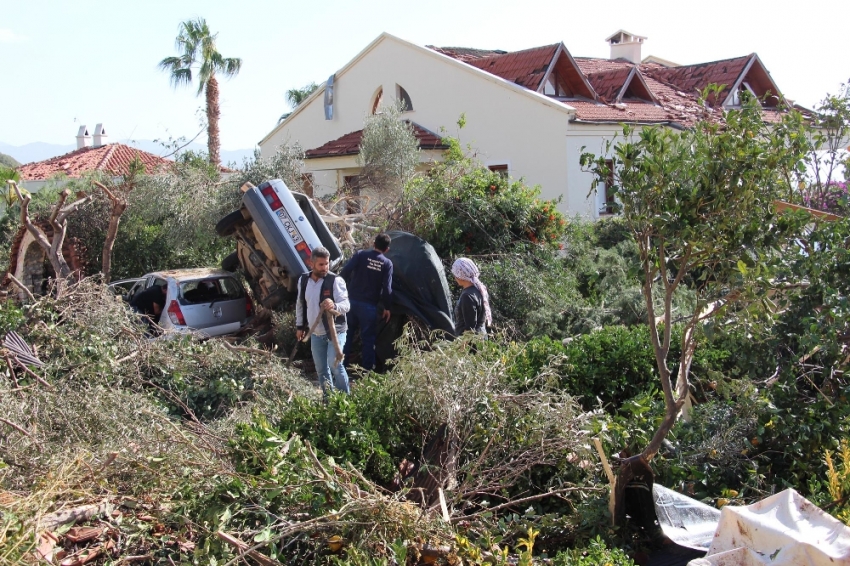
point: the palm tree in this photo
(296, 96)
(197, 47)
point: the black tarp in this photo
(420, 290)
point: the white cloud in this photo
(9, 36)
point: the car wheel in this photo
(231, 262)
(227, 225)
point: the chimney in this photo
(626, 45)
(83, 138)
(100, 137)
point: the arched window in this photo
(404, 99)
(377, 100)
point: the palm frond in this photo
(182, 76)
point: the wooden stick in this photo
(332, 331)
(32, 373)
(605, 465)
(16, 427)
(244, 549)
(304, 338)
(21, 286)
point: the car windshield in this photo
(210, 290)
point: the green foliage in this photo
(198, 54)
(389, 151)
(699, 204)
(822, 182)
(286, 164)
(296, 96)
(8, 174)
(9, 161)
(595, 554)
(362, 429)
(464, 208)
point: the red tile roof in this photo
(675, 89)
(608, 84)
(349, 144)
(694, 78)
(112, 158)
(466, 54)
(525, 68)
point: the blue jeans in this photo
(323, 356)
(363, 316)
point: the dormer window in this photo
(736, 97)
(555, 87)
(404, 99)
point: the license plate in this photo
(289, 226)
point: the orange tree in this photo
(698, 203)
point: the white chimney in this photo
(83, 138)
(100, 137)
(626, 45)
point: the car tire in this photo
(227, 225)
(231, 262)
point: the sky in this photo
(90, 61)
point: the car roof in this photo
(186, 274)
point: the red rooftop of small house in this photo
(349, 144)
(113, 158)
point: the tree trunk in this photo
(213, 113)
(118, 207)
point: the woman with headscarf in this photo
(472, 311)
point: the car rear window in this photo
(209, 290)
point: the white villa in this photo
(528, 113)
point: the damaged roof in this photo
(621, 91)
(113, 158)
(349, 144)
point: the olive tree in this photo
(389, 151)
(699, 204)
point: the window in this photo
(555, 87)
(404, 99)
(376, 102)
(745, 86)
(210, 290)
(605, 202)
(501, 169)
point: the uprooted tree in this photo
(699, 204)
(58, 221)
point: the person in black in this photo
(369, 276)
(150, 303)
(472, 311)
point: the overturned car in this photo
(276, 231)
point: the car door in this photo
(213, 302)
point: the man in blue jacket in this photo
(369, 277)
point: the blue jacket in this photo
(369, 277)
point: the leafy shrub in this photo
(596, 553)
(363, 429)
(462, 207)
(609, 365)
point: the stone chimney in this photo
(100, 137)
(626, 45)
(83, 137)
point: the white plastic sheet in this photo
(782, 530)
(685, 521)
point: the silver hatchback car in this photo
(211, 302)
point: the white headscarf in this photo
(466, 270)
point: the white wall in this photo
(504, 124)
